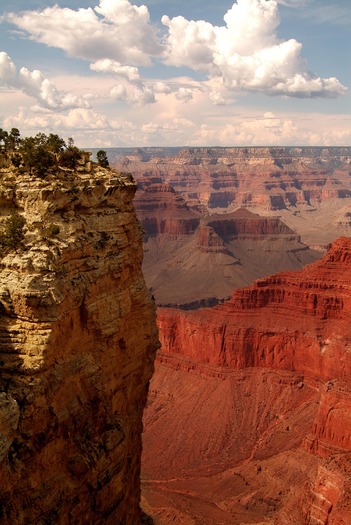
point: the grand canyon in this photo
(246, 408)
(247, 254)
(175, 262)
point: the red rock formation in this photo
(161, 210)
(290, 321)
(210, 242)
(273, 178)
(77, 343)
(243, 224)
(252, 400)
(332, 427)
(224, 445)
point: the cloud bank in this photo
(115, 30)
(173, 82)
(244, 55)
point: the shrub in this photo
(16, 160)
(39, 155)
(12, 234)
(36, 158)
(70, 157)
(102, 158)
(52, 230)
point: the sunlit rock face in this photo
(273, 178)
(250, 404)
(290, 321)
(78, 339)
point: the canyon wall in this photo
(251, 403)
(78, 339)
(195, 259)
(296, 321)
(309, 187)
(269, 178)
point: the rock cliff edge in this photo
(77, 344)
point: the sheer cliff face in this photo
(78, 340)
(296, 321)
(251, 403)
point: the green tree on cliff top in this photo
(102, 158)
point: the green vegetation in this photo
(12, 234)
(35, 157)
(52, 230)
(42, 154)
(70, 157)
(9, 141)
(102, 158)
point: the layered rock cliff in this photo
(252, 399)
(193, 259)
(271, 178)
(309, 187)
(292, 321)
(161, 210)
(78, 340)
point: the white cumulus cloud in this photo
(115, 30)
(107, 65)
(7, 69)
(34, 84)
(161, 87)
(134, 95)
(184, 94)
(246, 53)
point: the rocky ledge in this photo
(77, 344)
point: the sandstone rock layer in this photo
(78, 340)
(309, 186)
(273, 178)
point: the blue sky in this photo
(177, 72)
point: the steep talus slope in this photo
(251, 401)
(77, 344)
(192, 258)
(224, 447)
